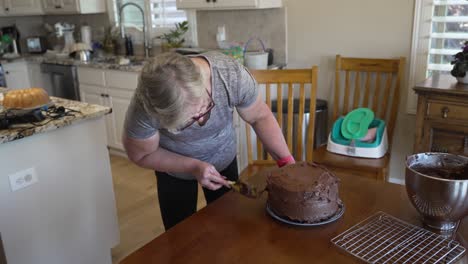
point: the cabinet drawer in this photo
(446, 110)
(122, 79)
(91, 76)
(442, 137)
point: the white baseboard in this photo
(117, 152)
(397, 181)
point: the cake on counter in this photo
(303, 192)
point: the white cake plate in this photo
(337, 216)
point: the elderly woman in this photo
(180, 124)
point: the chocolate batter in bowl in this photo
(437, 186)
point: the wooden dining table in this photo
(236, 229)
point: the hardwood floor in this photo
(137, 206)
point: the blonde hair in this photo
(167, 83)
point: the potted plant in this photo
(175, 37)
(460, 64)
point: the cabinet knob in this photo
(214, 1)
(7, 9)
(445, 112)
(57, 7)
(208, 1)
(7, 72)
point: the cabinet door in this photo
(97, 95)
(69, 6)
(196, 4)
(441, 137)
(35, 75)
(92, 94)
(119, 100)
(16, 75)
(23, 7)
(61, 6)
(50, 6)
(236, 3)
(2, 7)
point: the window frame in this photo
(420, 49)
(153, 33)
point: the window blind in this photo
(164, 14)
(449, 30)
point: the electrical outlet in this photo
(22, 179)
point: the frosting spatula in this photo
(245, 189)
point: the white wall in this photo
(319, 29)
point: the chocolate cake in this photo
(303, 192)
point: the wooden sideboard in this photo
(442, 116)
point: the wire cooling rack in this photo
(382, 238)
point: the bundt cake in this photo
(25, 98)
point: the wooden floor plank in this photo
(137, 206)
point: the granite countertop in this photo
(75, 111)
(108, 63)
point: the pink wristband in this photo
(283, 161)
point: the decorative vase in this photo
(463, 80)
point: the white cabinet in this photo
(22, 74)
(97, 95)
(16, 75)
(119, 100)
(194, 4)
(93, 94)
(228, 4)
(2, 7)
(36, 77)
(49, 4)
(110, 88)
(22, 7)
(74, 6)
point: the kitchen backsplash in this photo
(98, 23)
(27, 25)
(34, 25)
(268, 24)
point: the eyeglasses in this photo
(206, 114)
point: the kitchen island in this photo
(57, 202)
(236, 229)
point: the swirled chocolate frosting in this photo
(303, 192)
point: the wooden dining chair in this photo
(371, 83)
(288, 93)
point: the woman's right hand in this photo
(207, 175)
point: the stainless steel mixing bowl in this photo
(442, 202)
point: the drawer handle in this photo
(445, 112)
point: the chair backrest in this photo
(295, 95)
(371, 83)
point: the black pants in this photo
(178, 198)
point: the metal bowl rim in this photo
(432, 177)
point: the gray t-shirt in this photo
(215, 142)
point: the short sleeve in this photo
(138, 123)
(247, 88)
